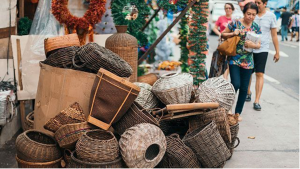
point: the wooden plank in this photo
(22, 111)
(19, 62)
(166, 31)
(21, 8)
(181, 116)
(4, 32)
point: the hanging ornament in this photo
(130, 12)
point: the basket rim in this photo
(37, 131)
(187, 137)
(89, 163)
(27, 117)
(97, 131)
(38, 163)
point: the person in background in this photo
(241, 65)
(242, 3)
(295, 26)
(267, 22)
(285, 17)
(222, 23)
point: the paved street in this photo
(276, 127)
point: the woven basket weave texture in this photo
(208, 145)
(58, 42)
(219, 90)
(35, 146)
(28, 124)
(234, 133)
(67, 135)
(126, 46)
(146, 98)
(72, 114)
(216, 115)
(174, 88)
(143, 146)
(50, 164)
(97, 146)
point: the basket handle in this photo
(175, 135)
(74, 64)
(238, 140)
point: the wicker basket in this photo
(126, 46)
(216, 115)
(208, 145)
(135, 115)
(35, 146)
(28, 123)
(179, 126)
(174, 88)
(234, 133)
(178, 155)
(58, 42)
(50, 164)
(111, 97)
(77, 163)
(150, 78)
(97, 146)
(219, 90)
(146, 98)
(67, 135)
(72, 114)
(143, 146)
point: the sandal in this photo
(248, 97)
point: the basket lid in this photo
(58, 42)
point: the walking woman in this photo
(241, 65)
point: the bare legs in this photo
(258, 86)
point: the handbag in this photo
(228, 47)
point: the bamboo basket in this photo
(50, 44)
(126, 46)
(67, 135)
(28, 124)
(135, 115)
(26, 164)
(150, 78)
(77, 163)
(142, 146)
(97, 146)
(208, 145)
(146, 98)
(35, 146)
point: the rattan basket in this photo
(150, 78)
(58, 42)
(50, 164)
(234, 135)
(126, 46)
(77, 163)
(67, 135)
(35, 146)
(72, 114)
(28, 123)
(219, 90)
(178, 155)
(143, 146)
(97, 146)
(208, 145)
(174, 88)
(216, 115)
(146, 98)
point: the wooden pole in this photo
(21, 8)
(166, 31)
(152, 17)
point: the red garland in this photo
(91, 17)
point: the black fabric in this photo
(295, 29)
(218, 65)
(285, 18)
(260, 60)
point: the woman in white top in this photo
(295, 25)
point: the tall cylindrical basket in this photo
(126, 46)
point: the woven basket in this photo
(28, 123)
(219, 90)
(135, 115)
(143, 146)
(179, 126)
(35, 146)
(146, 98)
(126, 46)
(111, 97)
(234, 133)
(174, 88)
(50, 164)
(97, 146)
(58, 42)
(150, 78)
(67, 135)
(72, 114)
(178, 155)
(216, 115)
(208, 145)
(77, 163)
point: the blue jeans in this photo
(284, 32)
(240, 78)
